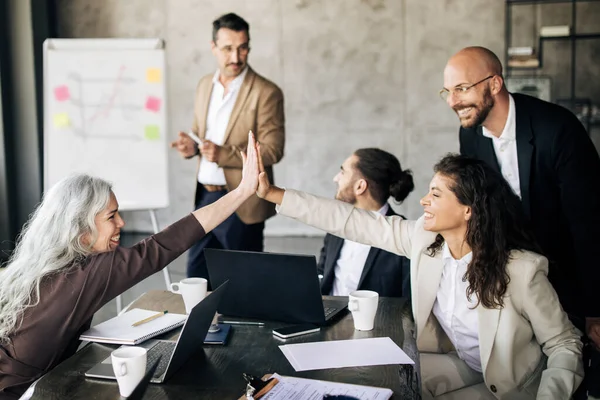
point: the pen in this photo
(150, 318)
(243, 323)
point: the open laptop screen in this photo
(267, 286)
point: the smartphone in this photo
(296, 330)
(195, 138)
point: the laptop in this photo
(270, 286)
(173, 354)
(140, 389)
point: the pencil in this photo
(150, 318)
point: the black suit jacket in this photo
(559, 176)
(386, 273)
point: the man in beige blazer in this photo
(228, 104)
(525, 348)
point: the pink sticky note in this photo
(62, 93)
(153, 104)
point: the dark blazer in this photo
(559, 174)
(386, 273)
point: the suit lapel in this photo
(333, 253)
(486, 149)
(373, 252)
(428, 282)
(524, 153)
(488, 326)
(239, 103)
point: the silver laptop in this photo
(173, 354)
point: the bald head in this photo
(476, 61)
(474, 85)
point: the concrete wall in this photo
(355, 73)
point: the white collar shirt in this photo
(350, 264)
(505, 148)
(219, 111)
(456, 314)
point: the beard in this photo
(481, 111)
(346, 196)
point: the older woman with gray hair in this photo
(68, 264)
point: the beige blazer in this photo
(259, 107)
(529, 343)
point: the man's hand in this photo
(185, 145)
(592, 328)
(210, 151)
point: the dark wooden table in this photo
(216, 371)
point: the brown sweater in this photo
(68, 300)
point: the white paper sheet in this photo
(344, 353)
(309, 389)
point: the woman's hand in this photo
(264, 186)
(250, 170)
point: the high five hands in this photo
(254, 175)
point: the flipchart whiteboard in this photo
(105, 114)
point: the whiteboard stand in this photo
(165, 270)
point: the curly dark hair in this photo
(496, 227)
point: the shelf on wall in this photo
(530, 2)
(569, 37)
(553, 38)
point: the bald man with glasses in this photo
(547, 157)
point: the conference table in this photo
(215, 372)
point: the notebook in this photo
(119, 330)
(219, 337)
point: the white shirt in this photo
(217, 119)
(505, 147)
(350, 264)
(457, 315)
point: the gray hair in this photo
(51, 240)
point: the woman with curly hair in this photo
(488, 323)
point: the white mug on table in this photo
(363, 305)
(129, 366)
(193, 291)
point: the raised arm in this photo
(340, 219)
(111, 273)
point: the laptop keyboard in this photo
(164, 349)
(329, 311)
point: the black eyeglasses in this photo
(460, 91)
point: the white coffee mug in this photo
(129, 366)
(193, 291)
(363, 304)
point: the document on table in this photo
(344, 353)
(309, 389)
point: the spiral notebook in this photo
(119, 330)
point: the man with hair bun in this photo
(367, 179)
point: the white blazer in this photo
(529, 348)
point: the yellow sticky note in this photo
(151, 132)
(153, 75)
(61, 120)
